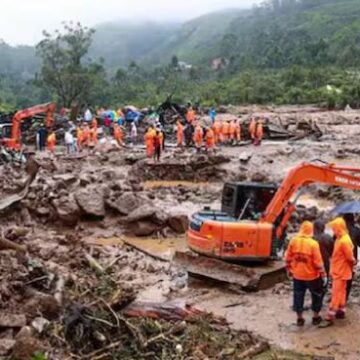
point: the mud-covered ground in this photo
(101, 229)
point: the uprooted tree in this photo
(65, 71)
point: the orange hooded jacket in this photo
(303, 256)
(342, 260)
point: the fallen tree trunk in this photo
(170, 311)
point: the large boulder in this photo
(91, 200)
(179, 223)
(143, 212)
(67, 209)
(124, 204)
(143, 228)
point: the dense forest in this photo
(281, 52)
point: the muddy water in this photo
(269, 314)
(163, 249)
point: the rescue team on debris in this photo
(191, 130)
(312, 257)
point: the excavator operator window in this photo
(247, 201)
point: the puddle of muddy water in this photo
(163, 249)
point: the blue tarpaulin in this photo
(351, 207)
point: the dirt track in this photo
(114, 197)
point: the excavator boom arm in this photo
(48, 108)
(305, 174)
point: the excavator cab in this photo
(247, 201)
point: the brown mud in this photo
(100, 225)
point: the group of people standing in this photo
(154, 141)
(219, 132)
(313, 257)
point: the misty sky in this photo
(22, 21)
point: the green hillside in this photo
(198, 39)
(312, 32)
(283, 51)
(119, 43)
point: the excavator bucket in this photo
(247, 278)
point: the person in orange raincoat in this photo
(232, 131)
(190, 115)
(179, 134)
(304, 263)
(252, 129)
(198, 136)
(86, 135)
(210, 139)
(217, 131)
(341, 270)
(79, 137)
(93, 137)
(149, 141)
(225, 132)
(238, 131)
(259, 134)
(118, 134)
(51, 142)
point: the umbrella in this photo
(351, 207)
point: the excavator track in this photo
(248, 278)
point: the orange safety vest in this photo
(198, 134)
(232, 128)
(210, 139)
(51, 141)
(118, 134)
(190, 116)
(217, 127)
(259, 131)
(225, 128)
(252, 127)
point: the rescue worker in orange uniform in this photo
(259, 134)
(232, 131)
(304, 263)
(179, 134)
(118, 134)
(198, 136)
(190, 115)
(225, 132)
(79, 138)
(86, 135)
(149, 141)
(51, 142)
(93, 137)
(217, 131)
(210, 139)
(238, 131)
(252, 129)
(341, 270)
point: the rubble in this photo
(61, 295)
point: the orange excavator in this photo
(15, 141)
(251, 227)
